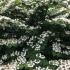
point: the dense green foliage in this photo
(30, 27)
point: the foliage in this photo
(30, 30)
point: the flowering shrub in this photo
(34, 33)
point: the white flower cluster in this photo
(56, 47)
(42, 68)
(40, 56)
(7, 4)
(42, 39)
